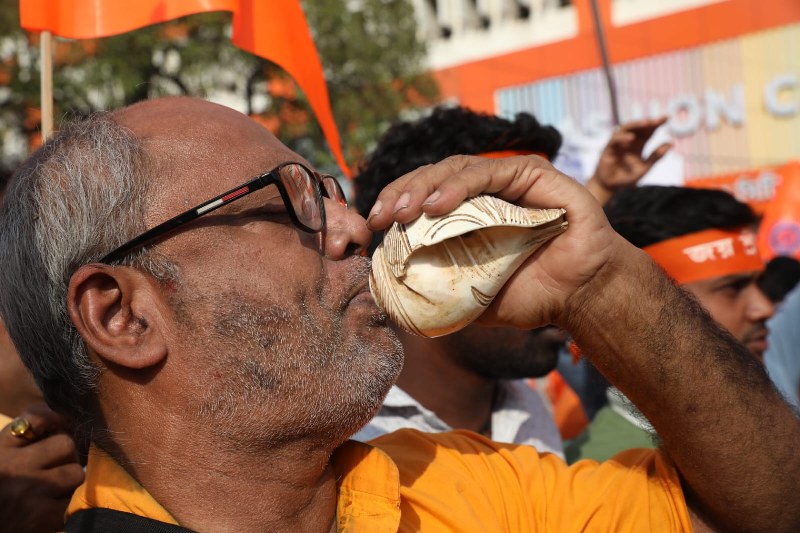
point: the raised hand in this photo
(621, 164)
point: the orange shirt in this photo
(459, 481)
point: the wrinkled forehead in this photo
(198, 149)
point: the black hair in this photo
(446, 131)
(650, 214)
(780, 276)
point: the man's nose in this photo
(345, 232)
(759, 307)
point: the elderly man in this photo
(219, 358)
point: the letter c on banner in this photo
(777, 106)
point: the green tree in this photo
(373, 64)
(373, 69)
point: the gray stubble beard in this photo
(303, 382)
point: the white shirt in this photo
(519, 417)
(782, 358)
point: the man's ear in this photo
(117, 312)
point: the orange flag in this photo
(273, 29)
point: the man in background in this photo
(476, 378)
(782, 358)
(705, 240)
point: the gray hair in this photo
(78, 197)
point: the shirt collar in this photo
(368, 485)
(108, 485)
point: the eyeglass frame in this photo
(250, 186)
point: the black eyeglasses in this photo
(301, 190)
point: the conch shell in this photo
(435, 275)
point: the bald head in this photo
(183, 118)
(190, 142)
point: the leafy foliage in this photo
(372, 62)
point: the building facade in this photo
(725, 72)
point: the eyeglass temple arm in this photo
(187, 216)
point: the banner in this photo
(756, 187)
(773, 193)
(273, 29)
(780, 228)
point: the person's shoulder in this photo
(525, 486)
(461, 451)
(454, 480)
(457, 440)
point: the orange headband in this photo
(707, 254)
(511, 153)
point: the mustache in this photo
(358, 275)
(755, 332)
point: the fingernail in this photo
(376, 210)
(402, 202)
(432, 198)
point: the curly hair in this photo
(446, 131)
(651, 214)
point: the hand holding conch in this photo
(552, 284)
(435, 275)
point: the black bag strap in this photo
(100, 520)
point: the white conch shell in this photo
(435, 275)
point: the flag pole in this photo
(46, 89)
(609, 75)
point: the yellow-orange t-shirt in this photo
(459, 481)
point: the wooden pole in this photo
(46, 89)
(601, 44)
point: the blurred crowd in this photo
(512, 386)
